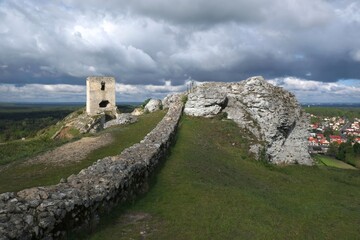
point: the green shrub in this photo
(184, 99)
(221, 116)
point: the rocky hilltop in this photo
(276, 123)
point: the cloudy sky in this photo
(153, 47)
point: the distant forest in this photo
(348, 112)
(19, 121)
(23, 121)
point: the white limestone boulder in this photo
(121, 119)
(153, 105)
(137, 112)
(205, 100)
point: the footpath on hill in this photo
(49, 167)
(72, 152)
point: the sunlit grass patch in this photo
(19, 176)
(206, 189)
(332, 162)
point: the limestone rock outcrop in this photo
(123, 118)
(137, 111)
(85, 123)
(207, 102)
(153, 105)
(270, 113)
(80, 121)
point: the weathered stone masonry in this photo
(48, 212)
(100, 95)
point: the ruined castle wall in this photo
(49, 212)
(99, 91)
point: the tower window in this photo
(102, 86)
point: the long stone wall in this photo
(49, 212)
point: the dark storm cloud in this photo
(190, 12)
(202, 12)
(147, 42)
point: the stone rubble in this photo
(270, 113)
(49, 212)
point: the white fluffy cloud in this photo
(307, 91)
(77, 93)
(138, 93)
(42, 93)
(344, 91)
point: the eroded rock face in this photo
(270, 113)
(153, 105)
(206, 102)
(81, 121)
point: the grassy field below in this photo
(332, 162)
(19, 150)
(19, 176)
(209, 188)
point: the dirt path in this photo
(71, 152)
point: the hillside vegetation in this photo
(37, 123)
(347, 112)
(18, 175)
(25, 120)
(210, 188)
(331, 162)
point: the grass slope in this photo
(19, 176)
(19, 150)
(332, 162)
(209, 188)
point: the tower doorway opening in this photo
(103, 103)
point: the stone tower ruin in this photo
(100, 95)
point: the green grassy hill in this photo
(19, 176)
(210, 188)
